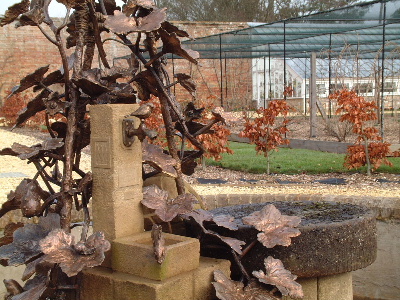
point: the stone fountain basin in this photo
(335, 237)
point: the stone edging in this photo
(386, 207)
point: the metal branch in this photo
(248, 248)
(97, 38)
(42, 175)
(47, 36)
(239, 263)
(65, 22)
(103, 7)
(47, 18)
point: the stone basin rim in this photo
(322, 249)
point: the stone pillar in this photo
(117, 177)
(313, 95)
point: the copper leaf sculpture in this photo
(31, 80)
(25, 245)
(276, 229)
(167, 209)
(226, 221)
(277, 275)
(59, 248)
(154, 156)
(120, 23)
(34, 288)
(14, 11)
(158, 243)
(227, 289)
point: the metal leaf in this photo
(13, 288)
(110, 6)
(226, 221)
(172, 44)
(121, 24)
(233, 243)
(129, 8)
(188, 166)
(33, 17)
(157, 199)
(91, 86)
(167, 26)
(277, 275)
(158, 243)
(70, 3)
(31, 268)
(148, 4)
(187, 82)
(276, 229)
(199, 216)
(54, 104)
(34, 288)
(25, 152)
(192, 113)
(59, 248)
(31, 200)
(30, 80)
(119, 93)
(25, 245)
(152, 21)
(227, 289)
(154, 197)
(34, 106)
(14, 198)
(154, 156)
(112, 74)
(9, 229)
(14, 11)
(146, 85)
(52, 78)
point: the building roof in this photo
(366, 30)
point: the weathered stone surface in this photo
(104, 284)
(204, 275)
(117, 180)
(335, 287)
(335, 238)
(135, 255)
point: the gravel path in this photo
(13, 170)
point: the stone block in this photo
(134, 255)
(104, 284)
(335, 287)
(204, 275)
(117, 179)
(310, 289)
(97, 284)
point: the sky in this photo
(56, 9)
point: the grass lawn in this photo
(290, 161)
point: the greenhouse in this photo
(355, 47)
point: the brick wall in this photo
(25, 49)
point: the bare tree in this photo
(7, 59)
(246, 10)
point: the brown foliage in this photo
(263, 130)
(369, 149)
(14, 105)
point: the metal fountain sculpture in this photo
(52, 258)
